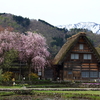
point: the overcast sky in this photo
(55, 12)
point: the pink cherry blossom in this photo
(32, 47)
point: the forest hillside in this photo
(55, 36)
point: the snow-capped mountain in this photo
(94, 27)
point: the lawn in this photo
(75, 92)
(91, 95)
(10, 86)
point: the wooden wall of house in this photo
(48, 73)
(73, 68)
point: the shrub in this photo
(33, 76)
(7, 76)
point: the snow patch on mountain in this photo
(94, 27)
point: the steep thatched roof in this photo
(66, 47)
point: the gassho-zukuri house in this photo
(77, 60)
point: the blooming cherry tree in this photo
(32, 47)
(33, 50)
(7, 42)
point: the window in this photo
(74, 56)
(93, 74)
(87, 56)
(39, 73)
(81, 46)
(70, 72)
(85, 74)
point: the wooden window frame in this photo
(81, 46)
(74, 56)
(87, 56)
(93, 74)
(69, 72)
(85, 74)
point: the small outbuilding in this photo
(77, 60)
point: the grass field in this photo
(93, 95)
(74, 92)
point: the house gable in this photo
(71, 42)
(82, 50)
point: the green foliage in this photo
(7, 76)
(69, 34)
(22, 21)
(4, 20)
(20, 24)
(94, 38)
(56, 44)
(58, 41)
(75, 95)
(33, 76)
(9, 57)
(60, 29)
(4, 93)
(2, 13)
(74, 31)
(92, 41)
(54, 49)
(77, 30)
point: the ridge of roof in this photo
(73, 36)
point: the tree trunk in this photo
(29, 71)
